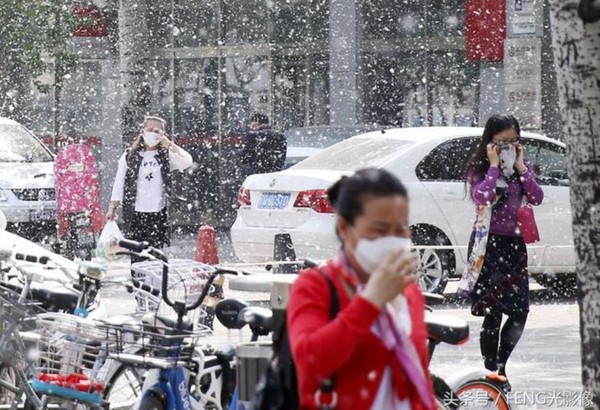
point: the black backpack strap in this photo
(334, 307)
(328, 385)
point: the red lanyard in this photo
(350, 277)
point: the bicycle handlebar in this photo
(136, 247)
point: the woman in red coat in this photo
(374, 350)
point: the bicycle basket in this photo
(186, 282)
(71, 351)
(148, 345)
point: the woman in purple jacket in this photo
(498, 174)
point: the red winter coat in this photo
(346, 347)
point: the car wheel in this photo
(562, 284)
(436, 265)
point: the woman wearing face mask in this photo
(143, 183)
(498, 174)
(375, 348)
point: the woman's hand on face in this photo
(164, 140)
(520, 160)
(492, 154)
(396, 273)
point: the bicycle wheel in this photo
(124, 387)
(481, 394)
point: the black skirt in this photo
(503, 284)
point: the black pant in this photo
(151, 227)
(497, 342)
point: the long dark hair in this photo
(347, 195)
(478, 164)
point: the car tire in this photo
(436, 265)
(564, 284)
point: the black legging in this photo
(495, 356)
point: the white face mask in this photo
(508, 157)
(370, 253)
(151, 139)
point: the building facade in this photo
(210, 63)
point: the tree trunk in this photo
(132, 49)
(577, 61)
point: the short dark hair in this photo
(260, 118)
(347, 195)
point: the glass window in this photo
(355, 153)
(246, 21)
(161, 90)
(548, 160)
(300, 21)
(448, 161)
(247, 82)
(19, 145)
(195, 23)
(290, 92)
(446, 17)
(196, 96)
(318, 21)
(418, 88)
(82, 100)
(390, 19)
(291, 23)
(395, 89)
(318, 103)
(159, 25)
(452, 88)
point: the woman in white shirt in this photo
(143, 184)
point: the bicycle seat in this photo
(164, 325)
(225, 353)
(51, 299)
(258, 318)
(447, 329)
(227, 311)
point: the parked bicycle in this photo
(180, 375)
(66, 347)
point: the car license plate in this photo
(42, 215)
(273, 200)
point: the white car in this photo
(431, 162)
(27, 195)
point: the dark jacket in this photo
(134, 161)
(264, 151)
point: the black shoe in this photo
(506, 387)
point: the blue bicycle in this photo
(171, 354)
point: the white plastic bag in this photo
(108, 243)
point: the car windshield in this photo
(19, 145)
(355, 153)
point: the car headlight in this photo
(3, 195)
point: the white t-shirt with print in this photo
(150, 195)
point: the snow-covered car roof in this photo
(7, 121)
(428, 134)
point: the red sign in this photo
(486, 30)
(93, 24)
